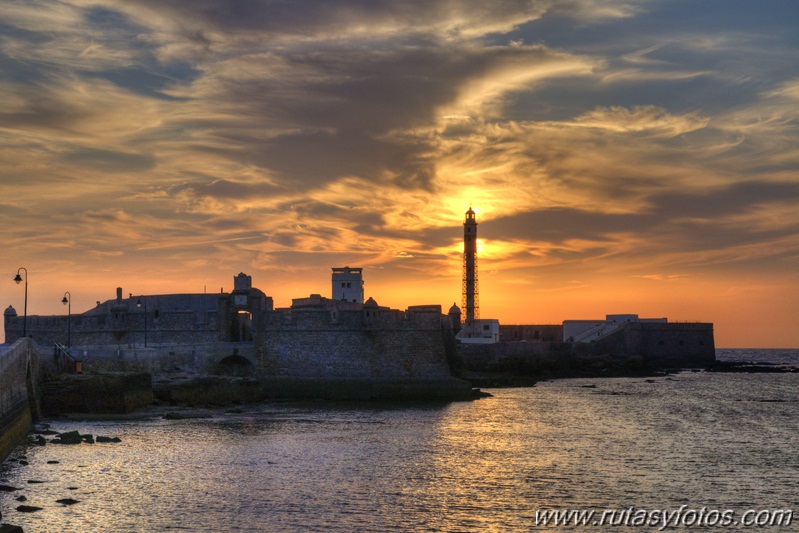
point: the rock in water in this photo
(67, 501)
(28, 508)
(70, 437)
(8, 528)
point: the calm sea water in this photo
(720, 441)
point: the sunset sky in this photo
(623, 156)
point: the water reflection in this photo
(698, 439)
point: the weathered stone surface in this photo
(16, 416)
(97, 393)
(635, 349)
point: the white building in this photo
(347, 284)
(479, 331)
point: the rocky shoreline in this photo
(42, 435)
(529, 376)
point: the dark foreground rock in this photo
(28, 508)
(70, 437)
(751, 368)
(8, 528)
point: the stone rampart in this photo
(637, 347)
(673, 344)
(318, 348)
(190, 358)
(317, 343)
(121, 329)
(330, 352)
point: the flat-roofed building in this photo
(347, 284)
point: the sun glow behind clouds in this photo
(635, 164)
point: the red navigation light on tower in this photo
(470, 293)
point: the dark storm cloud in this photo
(349, 102)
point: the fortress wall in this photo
(381, 318)
(348, 344)
(199, 358)
(354, 354)
(119, 329)
(635, 347)
(663, 344)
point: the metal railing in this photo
(64, 361)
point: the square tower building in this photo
(348, 284)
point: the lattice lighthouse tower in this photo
(470, 292)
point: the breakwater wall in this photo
(636, 348)
(19, 372)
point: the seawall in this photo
(18, 403)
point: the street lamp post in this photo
(143, 301)
(18, 279)
(67, 300)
